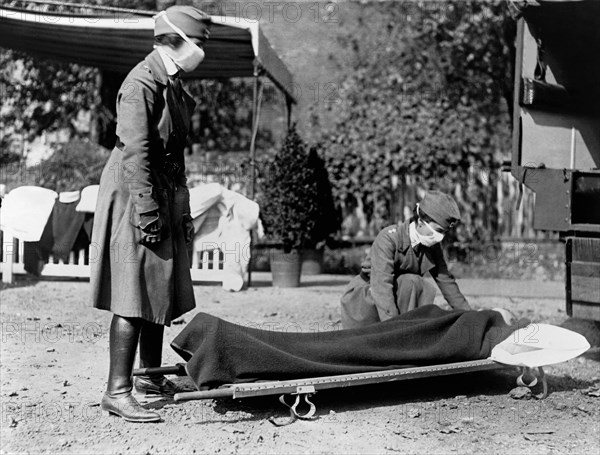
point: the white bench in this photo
(206, 265)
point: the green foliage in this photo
(8, 157)
(71, 167)
(426, 99)
(327, 216)
(288, 201)
(223, 115)
(41, 95)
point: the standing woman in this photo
(141, 272)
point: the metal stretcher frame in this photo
(307, 386)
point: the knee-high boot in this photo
(124, 336)
(151, 343)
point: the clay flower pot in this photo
(286, 268)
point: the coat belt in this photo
(168, 166)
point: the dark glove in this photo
(188, 228)
(151, 227)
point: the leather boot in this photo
(151, 343)
(124, 336)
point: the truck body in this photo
(556, 134)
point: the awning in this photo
(118, 42)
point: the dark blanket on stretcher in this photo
(218, 352)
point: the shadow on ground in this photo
(413, 396)
(20, 282)
(304, 282)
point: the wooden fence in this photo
(207, 266)
(497, 210)
(494, 204)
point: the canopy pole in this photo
(256, 104)
(289, 102)
(252, 140)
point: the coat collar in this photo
(404, 236)
(157, 67)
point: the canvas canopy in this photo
(117, 41)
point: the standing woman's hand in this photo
(152, 228)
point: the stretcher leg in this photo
(305, 393)
(530, 373)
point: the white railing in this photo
(206, 265)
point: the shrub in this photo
(8, 157)
(288, 200)
(327, 216)
(71, 167)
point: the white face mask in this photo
(431, 238)
(188, 56)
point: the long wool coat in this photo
(127, 278)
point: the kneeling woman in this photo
(391, 279)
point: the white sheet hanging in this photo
(67, 197)
(25, 212)
(89, 197)
(223, 220)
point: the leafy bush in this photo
(327, 216)
(427, 99)
(224, 114)
(288, 200)
(41, 95)
(71, 167)
(8, 157)
(46, 95)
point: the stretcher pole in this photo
(178, 369)
(311, 385)
(226, 392)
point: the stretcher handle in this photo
(204, 394)
(178, 370)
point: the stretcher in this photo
(528, 348)
(304, 388)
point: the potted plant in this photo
(327, 217)
(288, 208)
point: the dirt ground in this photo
(54, 362)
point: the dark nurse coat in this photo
(145, 172)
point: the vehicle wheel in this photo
(586, 327)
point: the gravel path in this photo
(54, 361)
